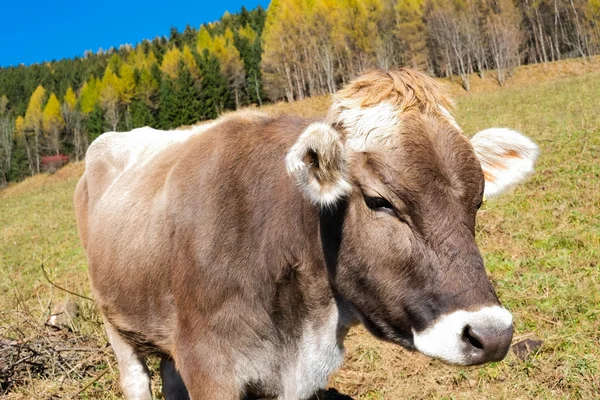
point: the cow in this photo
(242, 251)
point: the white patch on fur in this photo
(507, 158)
(368, 126)
(134, 375)
(327, 143)
(320, 354)
(139, 145)
(444, 339)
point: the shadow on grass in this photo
(330, 394)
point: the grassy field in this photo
(541, 244)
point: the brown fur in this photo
(211, 255)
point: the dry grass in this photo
(541, 244)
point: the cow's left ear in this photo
(507, 158)
(317, 162)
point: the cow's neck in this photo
(313, 313)
(319, 350)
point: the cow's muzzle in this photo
(468, 337)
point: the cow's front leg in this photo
(207, 374)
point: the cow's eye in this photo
(378, 203)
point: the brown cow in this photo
(243, 250)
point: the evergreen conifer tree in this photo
(215, 91)
(141, 114)
(167, 113)
(187, 97)
(95, 123)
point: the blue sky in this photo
(42, 30)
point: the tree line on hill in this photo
(50, 112)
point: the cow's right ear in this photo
(318, 164)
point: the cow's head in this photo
(399, 186)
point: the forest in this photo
(51, 111)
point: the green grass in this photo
(541, 244)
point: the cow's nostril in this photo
(472, 338)
(487, 343)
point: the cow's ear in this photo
(318, 164)
(507, 158)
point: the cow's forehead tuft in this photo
(404, 89)
(371, 108)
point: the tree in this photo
(204, 40)
(190, 62)
(109, 97)
(95, 123)
(115, 62)
(231, 64)
(126, 91)
(147, 87)
(215, 91)
(248, 44)
(411, 32)
(283, 48)
(141, 58)
(230, 61)
(89, 95)
(74, 124)
(32, 126)
(3, 105)
(141, 114)
(181, 102)
(20, 158)
(53, 122)
(451, 28)
(7, 127)
(126, 84)
(187, 98)
(504, 38)
(167, 113)
(170, 62)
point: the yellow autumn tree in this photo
(190, 61)
(411, 32)
(70, 99)
(20, 135)
(139, 59)
(53, 122)
(89, 95)
(126, 87)
(247, 33)
(150, 60)
(19, 126)
(204, 41)
(33, 125)
(281, 45)
(109, 96)
(170, 62)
